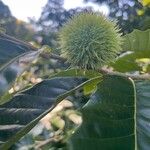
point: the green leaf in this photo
(88, 89)
(143, 114)
(128, 63)
(91, 87)
(22, 113)
(11, 50)
(139, 43)
(116, 117)
(108, 118)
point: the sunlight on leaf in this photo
(145, 2)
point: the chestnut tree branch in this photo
(102, 71)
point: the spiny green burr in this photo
(90, 41)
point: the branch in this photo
(102, 71)
(56, 138)
(135, 77)
(53, 56)
(43, 143)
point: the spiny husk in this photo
(90, 40)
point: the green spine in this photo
(90, 40)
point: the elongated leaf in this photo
(85, 74)
(108, 118)
(11, 50)
(143, 114)
(31, 105)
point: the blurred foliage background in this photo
(130, 14)
(54, 129)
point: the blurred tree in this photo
(19, 29)
(13, 26)
(126, 12)
(52, 18)
(4, 11)
(54, 14)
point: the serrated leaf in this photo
(116, 117)
(108, 117)
(23, 112)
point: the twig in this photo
(43, 143)
(53, 56)
(135, 77)
(55, 138)
(102, 71)
(16, 41)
